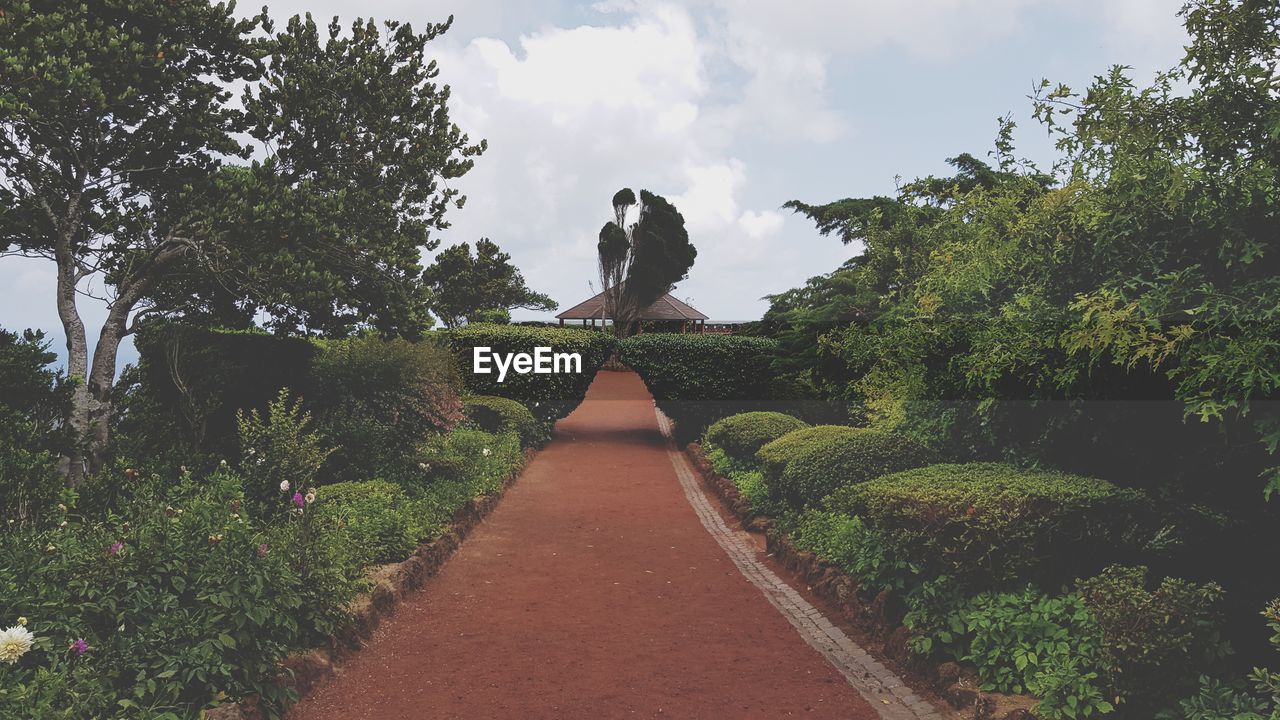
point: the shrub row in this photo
(548, 396)
(699, 379)
(969, 548)
(498, 414)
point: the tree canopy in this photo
(640, 262)
(121, 158)
(468, 288)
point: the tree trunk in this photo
(102, 379)
(77, 355)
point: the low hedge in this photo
(498, 414)
(699, 379)
(804, 466)
(548, 396)
(374, 516)
(741, 436)
(987, 523)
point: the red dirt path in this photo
(591, 592)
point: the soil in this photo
(591, 592)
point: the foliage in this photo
(464, 286)
(641, 262)
(120, 163)
(1155, 642)
(1013, 637)
(375, 398)
(986, 524)
(373, 517)
(849, 544)
(459, 466)
(698, 379)
(804, 466)
(180, 602)
(548, 396)
(497, 415)
(33, 400)
(191, 383)
(741, 436)
(278, 452)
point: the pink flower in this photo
(79, 647)
(298, 500)
(262, 550)
(115, 548)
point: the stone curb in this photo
(879, 617)
(307, 669)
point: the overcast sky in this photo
(729, 109)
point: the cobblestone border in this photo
(881, 688)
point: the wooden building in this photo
(665, 314)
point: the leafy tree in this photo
(641, 262)
(483, 286)
(33, 399)
(114, 140)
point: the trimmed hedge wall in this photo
(741, 436)
(985, 524)
(804, 466)
(190, 382)
(549, 397)
(498, 414)
(699, 379)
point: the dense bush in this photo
(804, 466)
(698, 379)
(1016, 639)
(190, 383)
(374, 399)
(278, 452)
(1155, 642)
(986, 523)
(847, 542)
(741, 436)
(548, 396)
(375, 518)
(33, 399)
(185, 599)
(498, 414)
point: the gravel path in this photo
(595, 591)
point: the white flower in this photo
(487, 452)
(422, 466)
(251, 452)
(222, 463)
(284, 486)
(311, 497)
(14, 643)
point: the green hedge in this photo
(498, 414)
(741, 436)
(987, 523)
(549, 396)
(190, 382)
(373, 516)
(804, 466)
(374, 399)
(699, 379)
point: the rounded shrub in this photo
(498, 414)
(741, 436)
(804, 466)
(374, 515)
(983, 523)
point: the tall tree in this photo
(641, 262)
(465, 286)
(116, 120)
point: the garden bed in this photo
(306, 669)
(878, 620)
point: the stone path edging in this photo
(882, 689)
